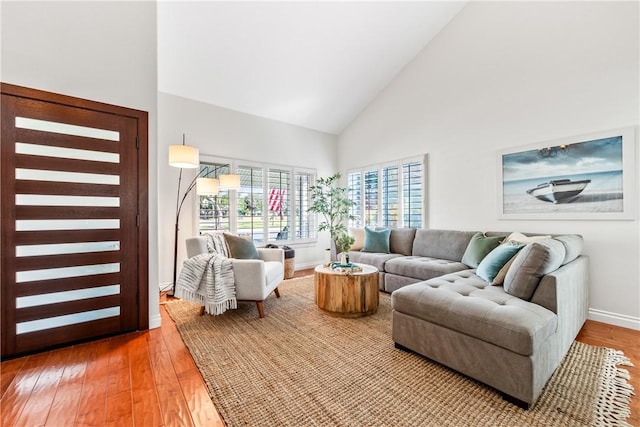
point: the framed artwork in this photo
(579, 178)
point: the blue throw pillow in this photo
(492, 263)
(376, 240)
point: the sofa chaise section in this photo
(482, 331)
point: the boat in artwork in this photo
(559, 190)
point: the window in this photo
(215, 210)
(270, 206)
(392, 195)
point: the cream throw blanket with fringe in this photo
(208, 280)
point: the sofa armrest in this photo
(271, 254)
(566, 293)
(248, 270)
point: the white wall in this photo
(102, 51)
(220, 132)
(503, 75)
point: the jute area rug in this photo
(300, 367)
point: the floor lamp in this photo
(187, 157)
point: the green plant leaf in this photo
(333, 204)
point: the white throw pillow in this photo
(358, 234)
(521, 238)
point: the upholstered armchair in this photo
(255, 279)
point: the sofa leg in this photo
(202, 310)
(277, 292)
(519, 403)
(260, 308)
(401, 347)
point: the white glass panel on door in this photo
(66, 248)
(56, 297)
(66, 153)
(63, 272)
(58, 176)
(67, 129)
(46, 200)
(68, 319)
(66, 224)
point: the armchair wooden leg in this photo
(277, 292)
(202, 310)
(260, 308)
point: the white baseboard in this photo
(307, 265)
(155, 321)
(165, 286)
(616, 319)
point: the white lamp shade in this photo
(207, 186)
(184, 156)
(230, 182)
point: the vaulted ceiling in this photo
(312, 64)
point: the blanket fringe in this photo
(614, 397)
(209, 308)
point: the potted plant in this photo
(333, 203)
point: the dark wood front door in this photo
(74, 220)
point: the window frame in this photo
(380, 169)
(292, 200)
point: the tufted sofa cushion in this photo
(422, 268)
(465, 303)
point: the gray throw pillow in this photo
(532, 262)
(240, 248)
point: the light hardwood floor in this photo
(149, 379)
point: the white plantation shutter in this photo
(389, 195)
(304, 223)
(354, 187)
(412, 210)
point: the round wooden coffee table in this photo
(347, 294)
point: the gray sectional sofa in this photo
(511, 337)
